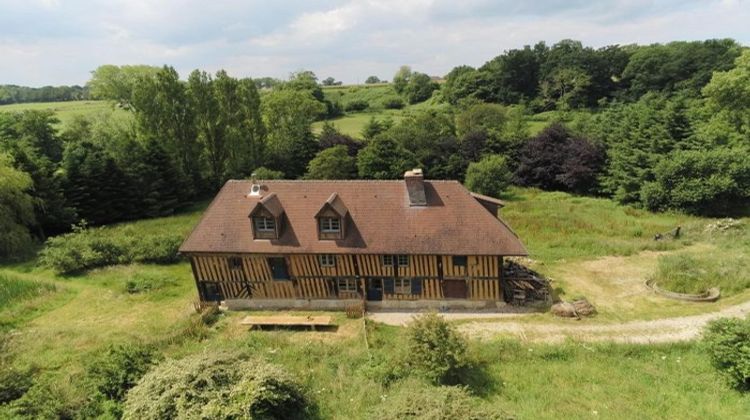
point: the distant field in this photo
(65, 111)
(352, 124)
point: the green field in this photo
(58, 324)
(66, 111)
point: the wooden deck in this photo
(287, 321)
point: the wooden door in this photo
(278, 268)
(455, 289)
(374, 289)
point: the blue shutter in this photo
(388, 285)
(416, 286)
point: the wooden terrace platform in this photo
(288, 321)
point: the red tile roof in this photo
(380, 221)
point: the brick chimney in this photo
(414, 180)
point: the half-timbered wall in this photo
(309, 280)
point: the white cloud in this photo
(60, 41)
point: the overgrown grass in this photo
(726, 266)
(556, 226)
(13, 289)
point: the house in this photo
(408, 243)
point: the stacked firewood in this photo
(526, 284)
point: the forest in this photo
(661, 127)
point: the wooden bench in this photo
(287, 321)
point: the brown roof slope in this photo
(380, 221)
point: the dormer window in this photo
(331, 219)
(330, 225)
(265, 224)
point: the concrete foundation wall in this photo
(341, 304)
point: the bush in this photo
(216, 385)
(437, 350)
(392, 102)
(85, 248)
(490, 176)
(726, 341)
(414, 400)
(48, 398)
(119, 368)
(356, 105)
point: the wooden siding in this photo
(309, 266)
(311, 281)
(372, 266)
(419, 266)
(476, 266)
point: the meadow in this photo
(54, 326)
(66, 111)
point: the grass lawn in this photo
(66, 111)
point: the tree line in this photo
(13, 94)
(680, 145)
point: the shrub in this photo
(332, 163)
(392, 102)
(726, 341)
(48, 398)
(356, 105)
(85, 248)
(490, 176)
(437, 350)
(119, 368)
(216, 385)
(414, 400)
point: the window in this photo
(330, 225)
(346, 284)
(403, 260)
(264, 224)
(327, 260)
(402, 286)
(388, 260)
(459, 260)
(235, 263)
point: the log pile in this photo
(525, 284)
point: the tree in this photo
(374, 126)
(556, 159)
(16, 210)
(384, 158)
(511, 77)
(264, 173)
(566, 88)
(332, 163)
(165, 111)
(490, 176)
(419, 88)
(486, 119)
(329, 137)
(330, 81)
(728, 103)
(706, 182)
(117, 83)
(460, 83)
(372, 80)
(401, 79)
(288, 115)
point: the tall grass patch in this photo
(556, 226)
(14, 289)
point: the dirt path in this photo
(656, 331)
(616, 286)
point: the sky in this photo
(56, 42)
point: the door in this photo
(374, 289)
(278, 268)
(211, 292)
(454, 288)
